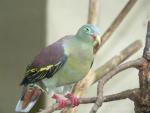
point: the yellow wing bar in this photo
(43, 68)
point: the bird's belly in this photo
(70, 73)
(71, 76)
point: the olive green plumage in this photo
(64, 62)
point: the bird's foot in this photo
(74, 100)
(61, 102)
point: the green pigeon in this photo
(62, 63)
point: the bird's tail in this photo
(28, 99)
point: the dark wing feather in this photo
(46, 64)
(92, 63)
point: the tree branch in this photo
(99, 100)
(134, 64)
(92, 13)
(115, 24)
(114, 97)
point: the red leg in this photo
(61, 102)
(74, 100)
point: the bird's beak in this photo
(97, 42)
(96, 39)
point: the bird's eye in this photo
(87, 30)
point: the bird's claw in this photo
(61, 102)
(74, 100)
(56, 97)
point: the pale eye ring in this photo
(87, 30)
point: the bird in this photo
(61, 64)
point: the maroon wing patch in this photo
(46, 64)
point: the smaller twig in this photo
(146, 53)
(131, 64)
(122, 95)
(114, 97)
(99, 100)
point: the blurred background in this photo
(26, 26)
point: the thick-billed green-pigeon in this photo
(62, 63)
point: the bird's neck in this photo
(83, 39)
(76, 44)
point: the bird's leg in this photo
(61, 102)
(74, 100)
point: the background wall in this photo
(27, 26)
(22, 35)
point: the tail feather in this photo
(27, 109)
(28, 99)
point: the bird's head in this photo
(90, 34)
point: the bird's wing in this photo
(46, 64)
